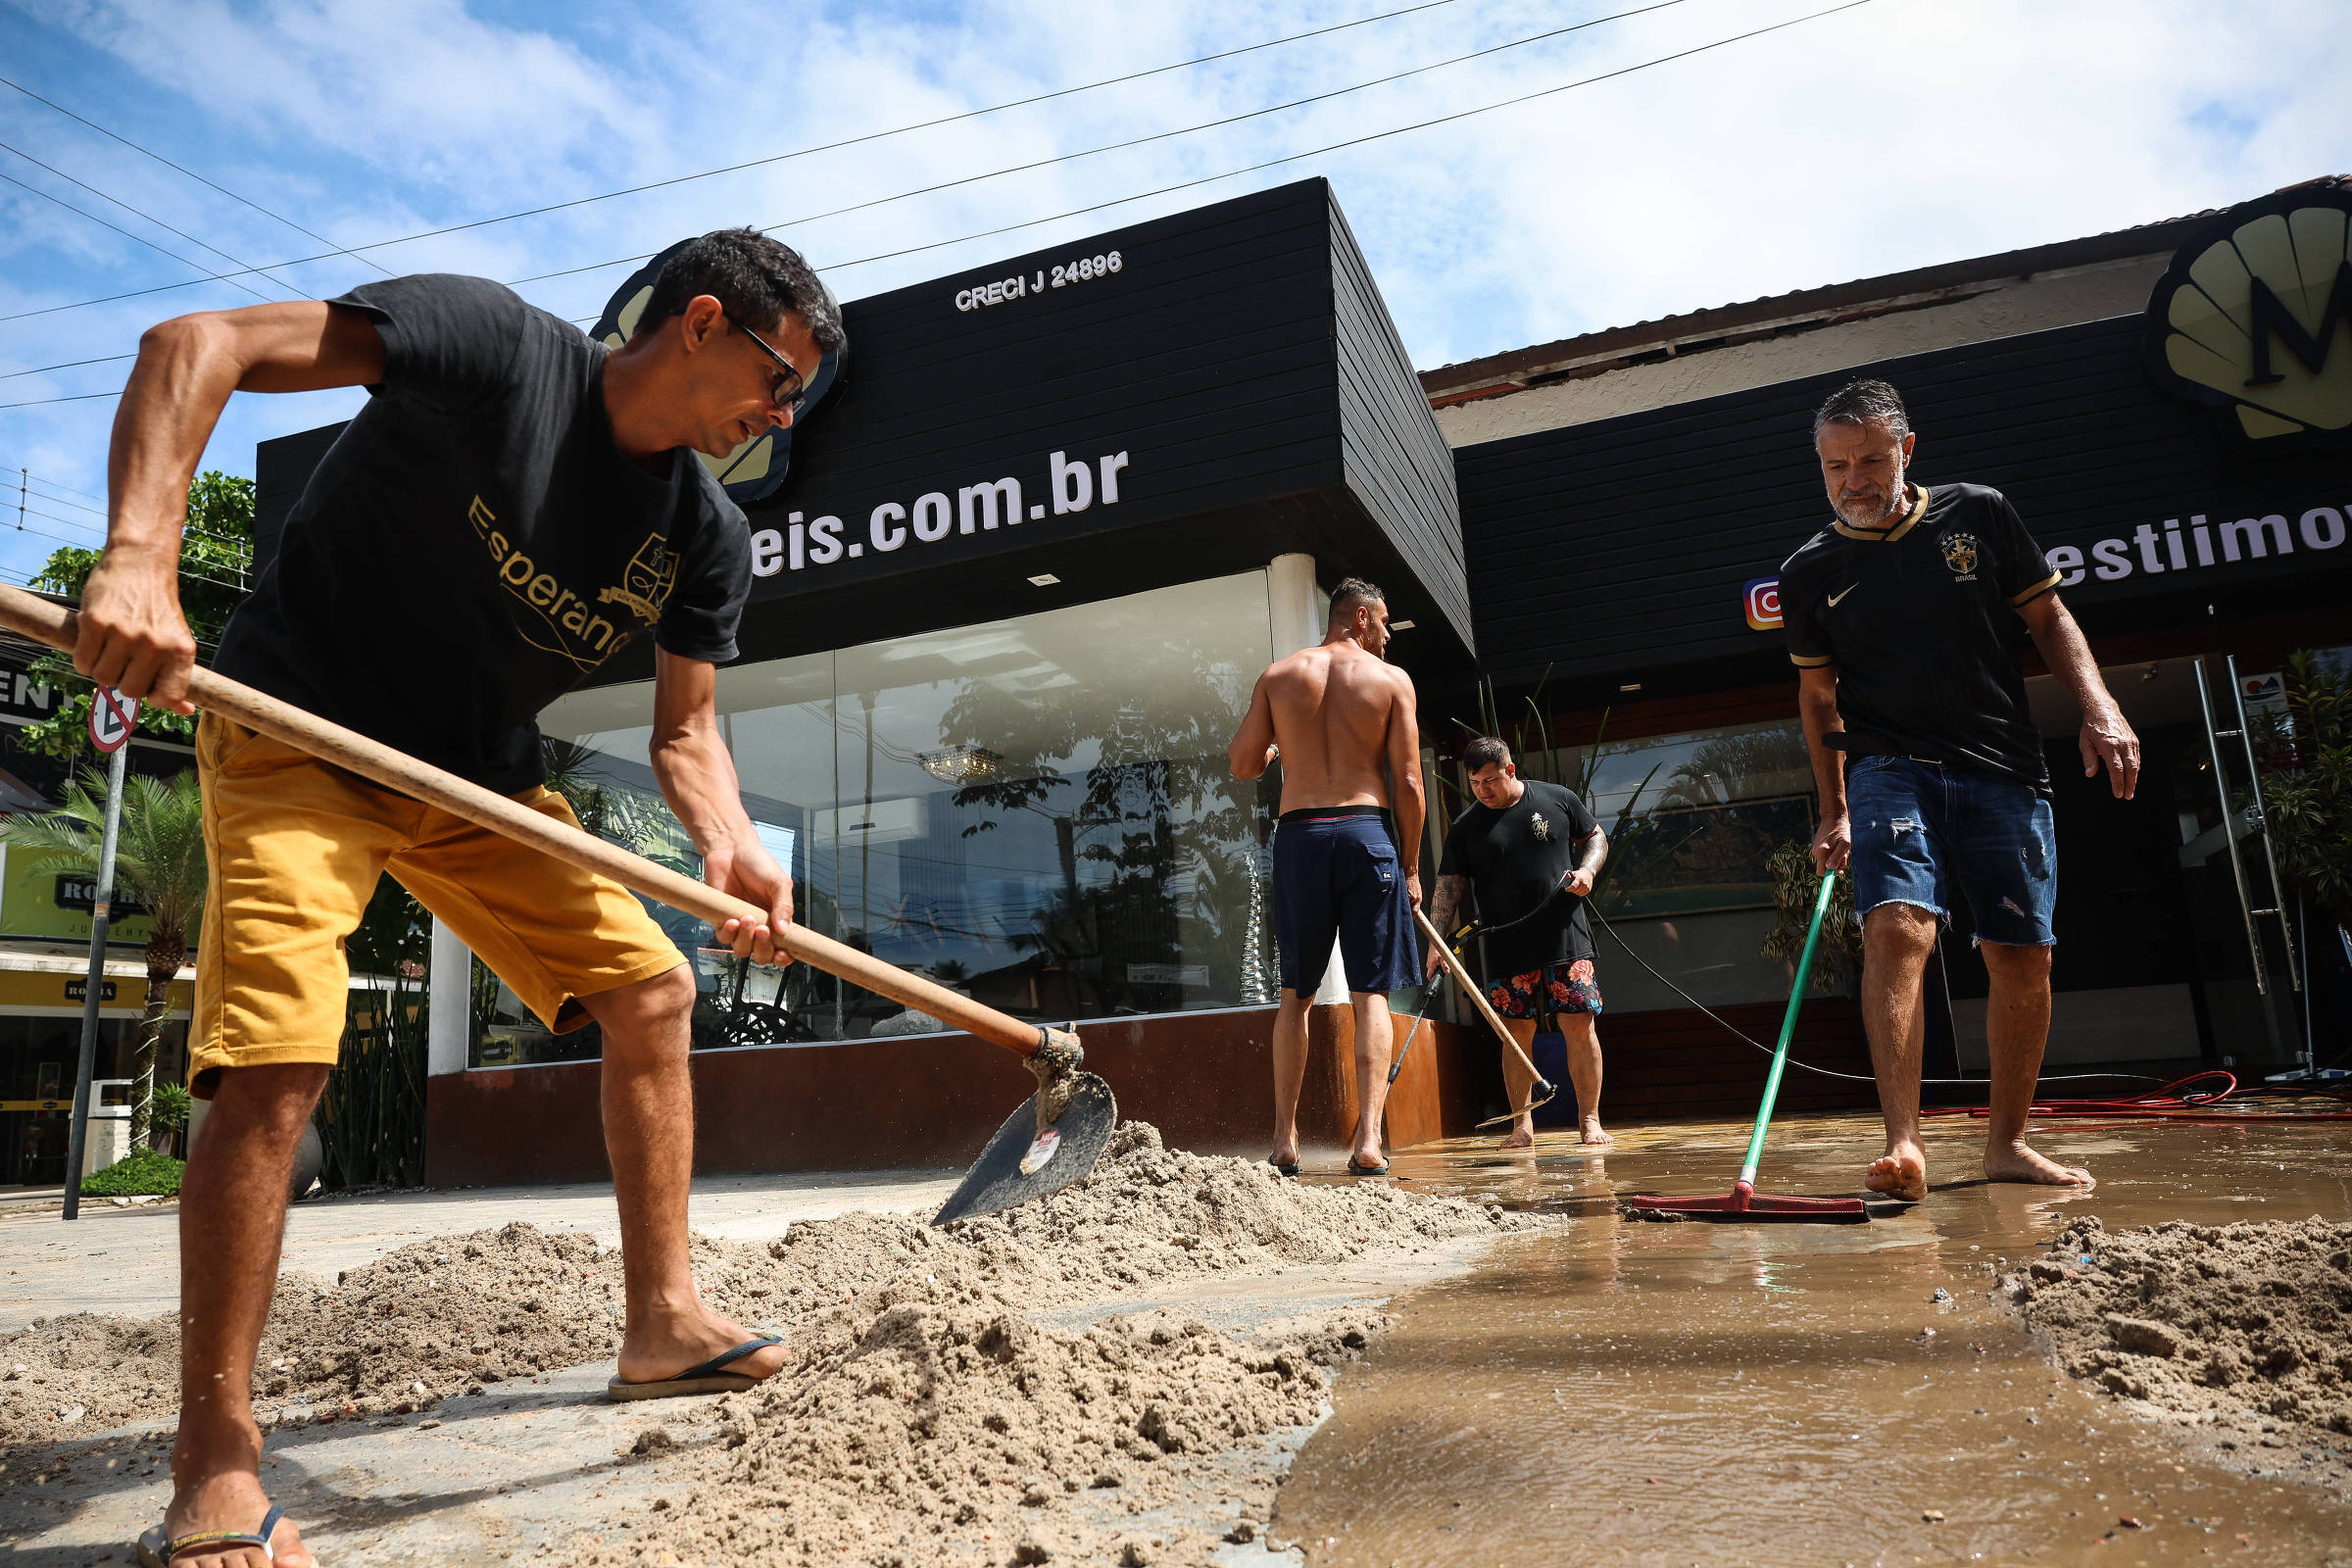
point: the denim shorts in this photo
(1921, 828)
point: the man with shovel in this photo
(1340, 719)
(513, 505)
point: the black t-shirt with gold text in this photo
(475, 543)
(1920, 622)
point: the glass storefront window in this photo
(1691, 821)
(1036, 811)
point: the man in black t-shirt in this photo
(1531, 852)
(512, 505)
(1905, 618)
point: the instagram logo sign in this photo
(1763, 603)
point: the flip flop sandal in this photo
(1354, 1169)
(711, 1377)
(1281, 1169)
(156, 1550)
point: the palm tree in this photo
(159, 851)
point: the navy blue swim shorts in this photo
(1337, 875)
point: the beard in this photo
(1872, 512)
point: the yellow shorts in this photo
(297, 846)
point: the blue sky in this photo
(1898, 134)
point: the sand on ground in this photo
(923, 1418)
(2243, 1331)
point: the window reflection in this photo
(1035, 811)
(1692, 818)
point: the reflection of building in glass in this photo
(1036, 811)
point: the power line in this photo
(27, 477)
(77, 397)
(710, 174)
(182, 169)
(43, 369)
(1186, 130)
(1207, 179)
(76, 543)
(217, 277)
(150, 217)
(53, 485)
(32, 478)
(1356, 141)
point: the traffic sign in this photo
(111, 717)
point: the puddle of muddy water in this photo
(1702, 1393)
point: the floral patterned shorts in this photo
(1569, 987)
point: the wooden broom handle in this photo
(1478, 998)
(54, 624)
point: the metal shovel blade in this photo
(1018, 1164)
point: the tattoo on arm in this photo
(1595, 854)
(1449, 900)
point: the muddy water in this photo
(1705, 1393)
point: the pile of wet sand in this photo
(921, 1433)
(2246, 1328)
(439, 1317)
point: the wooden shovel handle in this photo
(1478, 998)
(54, 624)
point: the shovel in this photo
(1051, 1141)
(1543, 1091)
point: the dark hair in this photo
(1865, 403)
(1484, 752)
(1352, 592)
(758, 279)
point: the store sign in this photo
(79, 991)
(2265, 693)
(82, 893)
(23, 698)
(1763, 599)
(2195, 543)
(2254, 319)
(1069, 483)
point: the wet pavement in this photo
(1620, 1393)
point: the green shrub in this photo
(170, 1106)
(145, 1172)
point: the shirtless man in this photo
(1335, 714)
(1905, 616)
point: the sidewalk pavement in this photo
(127, 1260)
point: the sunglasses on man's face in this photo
(790, 394)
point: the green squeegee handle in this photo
(1780, 1054)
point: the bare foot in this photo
(2018, 1163)
(1901, 1172)
(216, 1486)
(1521, 1136)
(668, 1345)
(1591, 1131)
